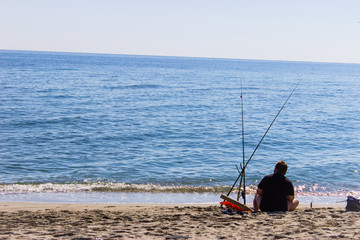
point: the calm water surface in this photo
(90, 118)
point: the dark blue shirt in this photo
(276, 187)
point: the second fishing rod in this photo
(244, 165)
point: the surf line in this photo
(244, 165)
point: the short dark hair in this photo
(281, 167)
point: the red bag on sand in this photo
(230, 205)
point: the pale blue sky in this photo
(304, 30)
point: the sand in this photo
(146, 221)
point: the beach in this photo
(20, 220)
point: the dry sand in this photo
(143, 221)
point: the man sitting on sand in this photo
(275, 192)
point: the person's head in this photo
(281, 167)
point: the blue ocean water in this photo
(176, 121)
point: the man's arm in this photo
(292, 203)
(257, 199)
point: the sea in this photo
(111, 128)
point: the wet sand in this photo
(152, 221)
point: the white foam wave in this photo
(300, 190)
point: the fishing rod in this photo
(242, 180)
(243, 139)
(245, 165)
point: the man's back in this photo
(276, 187)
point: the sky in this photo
(294, 30)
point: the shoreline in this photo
(147, 198)
(38, 206)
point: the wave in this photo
(313, 190)
(105, 187)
